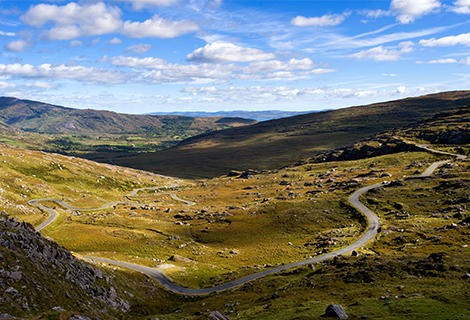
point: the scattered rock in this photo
(11, 291)
(335, 311)
(216, 315)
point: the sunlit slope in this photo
(276, 143)
(45, 118)
(26, 175)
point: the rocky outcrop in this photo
(36, 273)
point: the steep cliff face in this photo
(37, 275)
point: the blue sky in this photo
(139, 56)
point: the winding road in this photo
(158, 275)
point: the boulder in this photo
(216, 315)
(335, 311)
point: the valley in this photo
(275, 241)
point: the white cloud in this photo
(159, 28)
(381, 54)
(463, 39)
(7, 34)
(461, 6)
(140, 4)
(48, 71)
(465, 62)
(227, 52)
(409, 10)
(75, 43)
(442, 61)
(115, 41)
(42, 85)
(138, 48)
(6, 85)
(273, 65)
(18, 45)
(73, 20)
(323, 21)
(375, 13)
(134, 62)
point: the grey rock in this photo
(57, 309)
(11, 290)
(112, 294)
(79, 317)
(216, 315)
(6, 316)
(15, 276)
(335, 311)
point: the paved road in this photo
(54, 214)
(374, 224)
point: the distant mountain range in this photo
(255, 115)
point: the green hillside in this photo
(98, 134)
(276, 143)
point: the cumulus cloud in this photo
(218, 52)
(159, 28)
(115, 41)
(461, 6)
(7, 34)
(42, 85)
(323, 21)
(138, 48)
(75, 43)
(442, 61)
(7, 85)
(375, 13)
(73, 20)
(48, 71)
(463, 39)
(465, 62)
(18, 45)
(381, 54)
(140, 4)
(134, 62)
(170, 72)
(274, 69)
(273, 65)
(409, 10)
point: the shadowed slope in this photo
(276, 143)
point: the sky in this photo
(142, 56)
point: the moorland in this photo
(204, 232)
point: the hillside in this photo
(446, 128)
(45, 118)
(97, 134)
(276, 143)
(417, 264)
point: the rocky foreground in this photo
(37, 275)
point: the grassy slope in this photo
(280, 142)
(414, 215)
(49, 119)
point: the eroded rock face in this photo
(32, 265)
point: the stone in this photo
(354, 253)
(57, 309)
(335, 311)
(6, 316)
(15, 276)
(78, 317)
(112, 294)
(216, 315)
(11, 290)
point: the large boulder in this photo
(335, 311)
